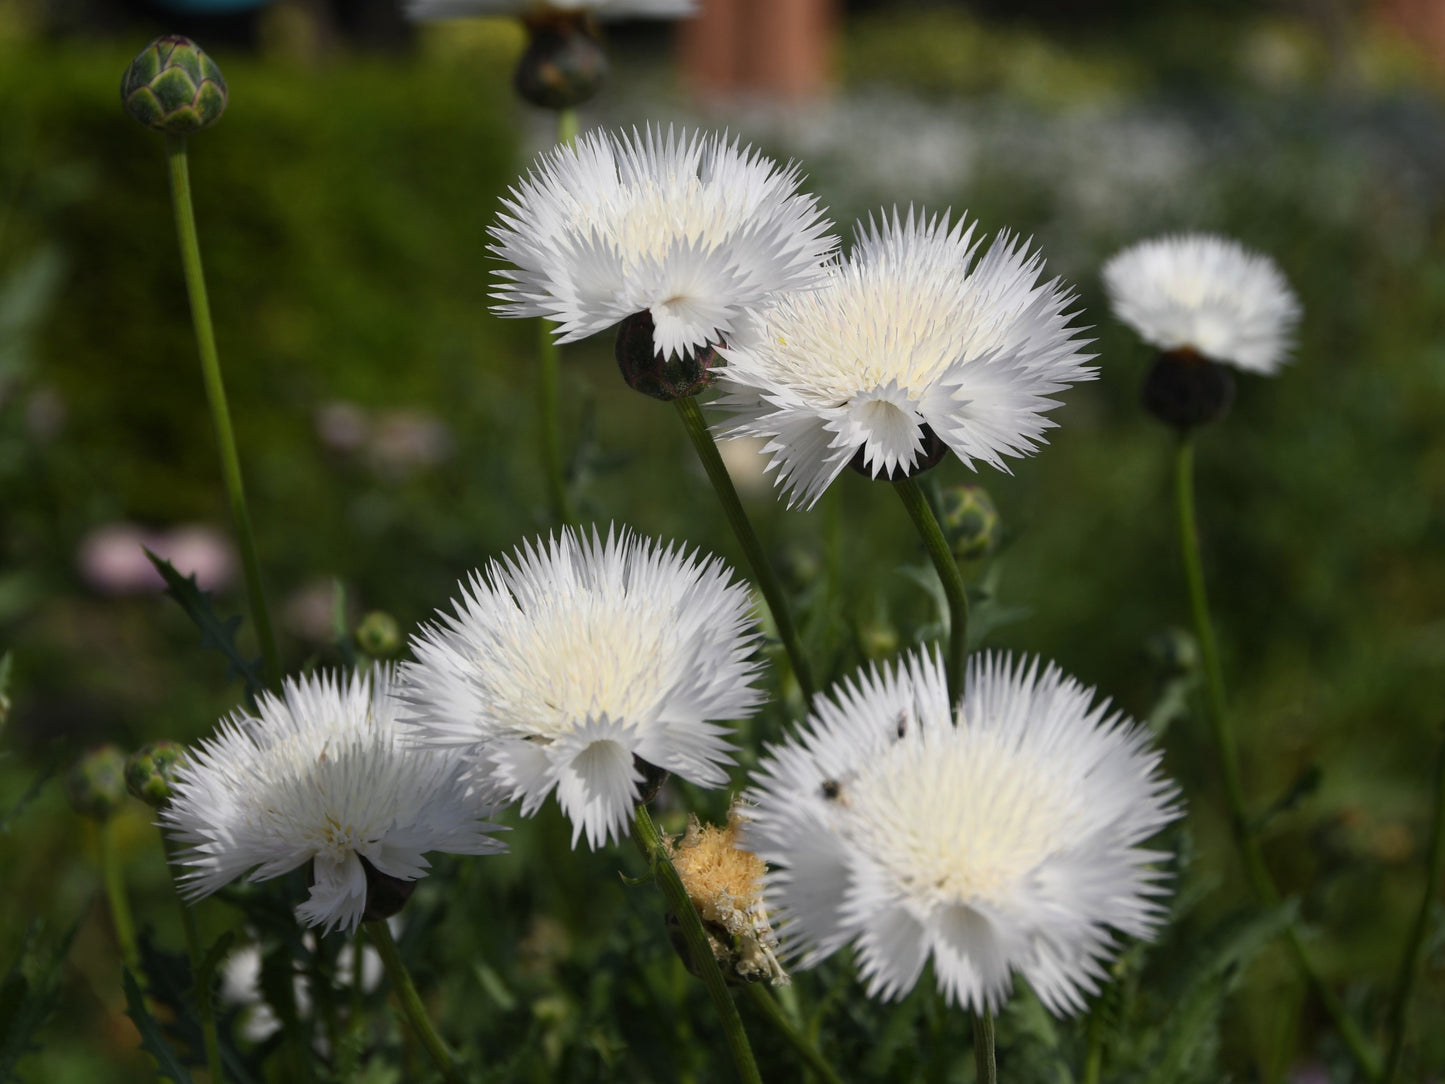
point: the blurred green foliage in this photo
(343, 214)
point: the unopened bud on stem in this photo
(150, 770)
(96, 783)
(174, 87)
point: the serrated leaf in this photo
(27, 1000)
(168, 1064)
(216, 632)
(1301, 787)
(171, 985)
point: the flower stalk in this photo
(941, 554)
(553, 461)
(722, 483)
(1260, 879)
(411, 1004)
(768, 1005)
(204, 1006)
(113, 876)
(216, 397)
(649, 842)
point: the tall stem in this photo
(204, 1006)
(411, 1004)
(114, 877)
(764, 1000)
(1260, 880)
(1414, 956)
(216, 396)
(722, 483)
(953, 589)
(649, 842)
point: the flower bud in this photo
(878, 639)
(1185, 389)
(564, 64)
(1173, 650)
(725, 884)
(970, 521)
(150, 770)
(385, 894)
(649, 372)
(95, 785)
(378, 635)
(174, 87)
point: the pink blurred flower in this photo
(112, 559)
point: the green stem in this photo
(762, 997)
(412, 1007)
(1262, 884)
(204, 1008)
(1094, 1055)
(216, 396)
(114, 877)
(1414, 957)
(985, 1065)
(722, 483)
(953, 589)
(649, 842)
(566, 125)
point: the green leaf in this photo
(29, 993)
(1301, 787)
(168, 1064)
(216, 633)
(57, 755)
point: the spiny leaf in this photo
(1301, 787)
(168, 1064)
(216, 633)
(28, 995)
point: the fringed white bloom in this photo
(1007, 839)
(321, 774)
(606, 9)
(570, 661)
(1208, 294)
(911, 341)
(689, 228)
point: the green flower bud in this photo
(1173, 650)
(378, 635)
(564, 64)
(1185, 389)
(878, 639)
(650, 373)
(174, 87)
(150, 770)
(970, 521)
(96, 783)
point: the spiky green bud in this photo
(95, 784)
(970, 521)
(378, 635)
(174, 87)
(150, 770)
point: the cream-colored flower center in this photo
(646, 218)
(958, 821)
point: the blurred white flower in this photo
(571, 661)
(911, 342)
(604, 9)
(1207, 294)
(322, 774)
(1005, 838)
(688, 228)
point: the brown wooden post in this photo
(776, 48)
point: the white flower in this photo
(911, 341)
(322, 774)
(1006, 839)
(1208, 294)
(568, 660)
(606, 9)
(691, 229)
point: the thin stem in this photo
(216, 396)
(1094, 1056)
(1360, 1047)
(722, 483)
(566, 125)
(763, 998)
(1414, 956)
(114, 877)
(986, 1067)
(412, 1007)
(953, 589)
(203, 983)
(649, 842)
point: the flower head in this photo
(571, 661)
(606, 9)
(1004, 838)
(688, 228)
(1206, 294)
(322, 774)
(912, 346)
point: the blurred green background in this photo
(387, 430)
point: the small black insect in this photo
(901, 727)
(832, 789)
